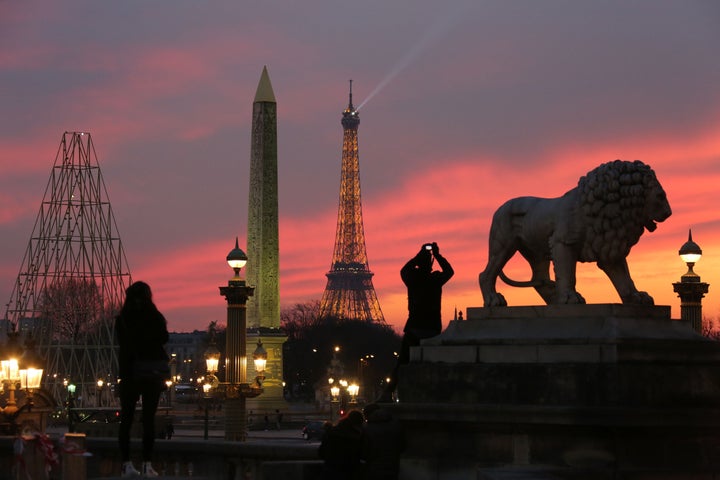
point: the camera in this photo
(428, 246)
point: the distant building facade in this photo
(187, 354)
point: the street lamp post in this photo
(212, 361)
(338, 395)
(100, 384)
(206, 400)
(260, 361)
(334, 400)
(173, 378)
(168, 393)
(690, 289)
(19, 371)
(237, 389)
(71, 405)
(353, 390)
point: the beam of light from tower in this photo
(430, 36)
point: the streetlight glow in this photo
(690, 252)
(260, 357)
(212, 358)
(353, 389)
(690, 289)
(236, 259)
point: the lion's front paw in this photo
(571, 298)
(495, 299)
(639, 298)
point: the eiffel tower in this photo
(73, 278)
(349, 294)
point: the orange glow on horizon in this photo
(395, 230)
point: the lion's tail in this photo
(515, 283)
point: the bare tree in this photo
(75, 334)
(74, 308)
(299, 317)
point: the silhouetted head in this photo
(354, 418)
(138, 293)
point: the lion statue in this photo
(597, 221)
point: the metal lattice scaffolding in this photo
(73, 277)
(349, 293)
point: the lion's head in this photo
(618, 200)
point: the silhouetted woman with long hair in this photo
(141, 332)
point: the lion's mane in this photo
(612, 202)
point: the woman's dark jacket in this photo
(141, 332)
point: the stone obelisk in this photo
(263, 314)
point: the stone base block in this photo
(604, 391)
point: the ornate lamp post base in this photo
(236, 390)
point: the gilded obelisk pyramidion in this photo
(263, 309)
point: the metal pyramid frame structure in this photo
(73, 278)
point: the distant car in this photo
(314, 430)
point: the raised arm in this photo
(447, 270)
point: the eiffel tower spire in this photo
(349, 293)
(73, 276)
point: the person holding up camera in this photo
(424, 303)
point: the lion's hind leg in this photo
(500, 254)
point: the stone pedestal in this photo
(273, 397)
(562, 392)
(73, 460)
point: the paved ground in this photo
(290, 435)
(163, 477)
(284, 435)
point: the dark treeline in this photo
(365, 353)
(321, 348)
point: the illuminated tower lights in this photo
(349, 294)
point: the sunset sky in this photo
(463, 105)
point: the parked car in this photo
(314, 430)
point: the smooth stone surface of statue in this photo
(597, 221)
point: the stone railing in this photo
(179, 457)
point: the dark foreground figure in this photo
(424, 288)
(141, 331)
(340, 448)
(383, 442)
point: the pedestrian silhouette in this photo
(340, 448)
(382, 444)
(141, 332)
(278, 419)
